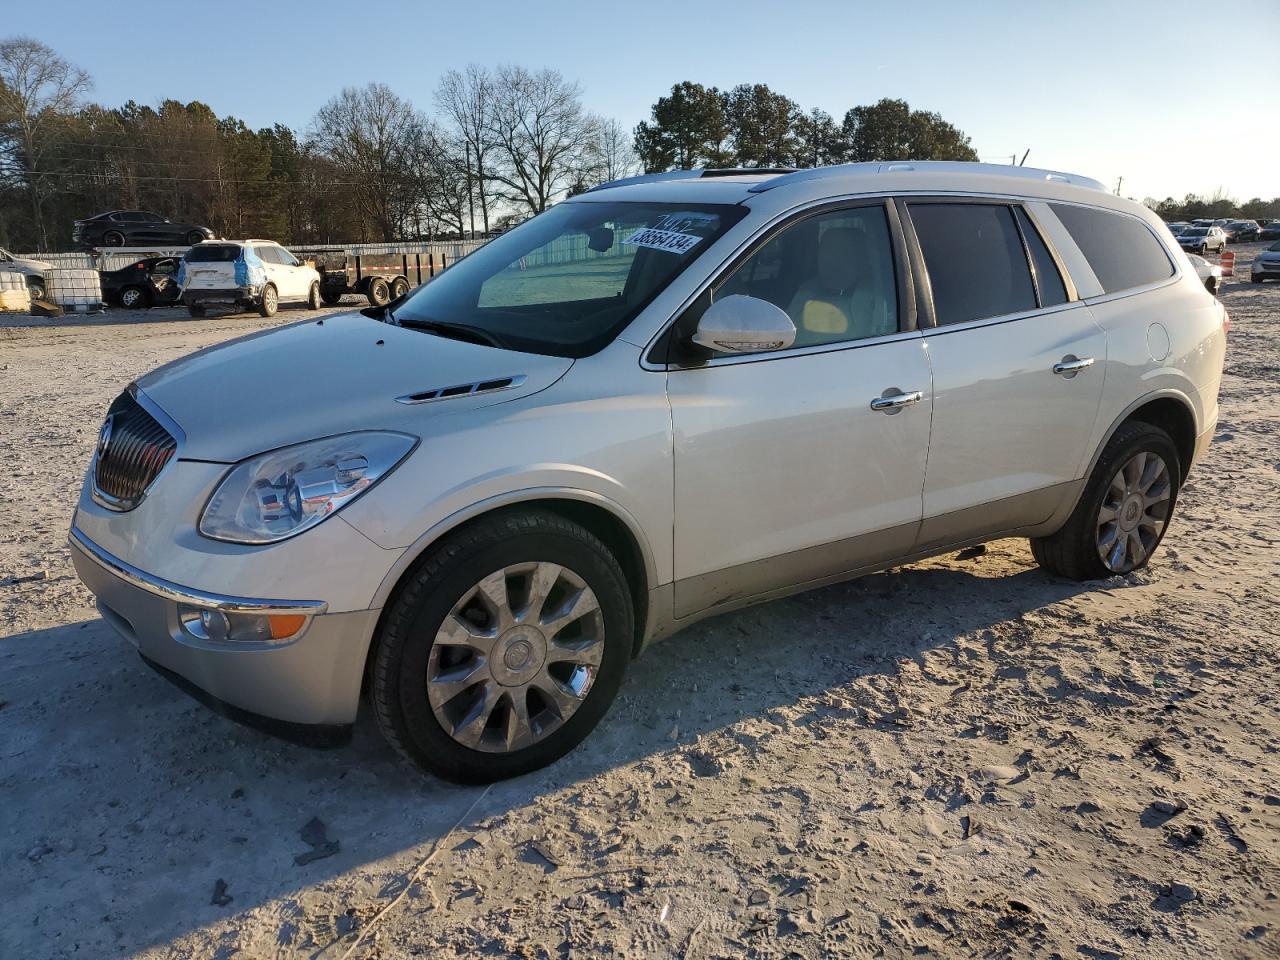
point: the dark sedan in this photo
(147, 283)
(136, 228)
(1241, 231)
(1270, 231)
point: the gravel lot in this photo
(963, 757)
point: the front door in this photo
(784, 472)
(1017, 371)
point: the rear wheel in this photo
(1124, 510)
(134, 298)
(269, 303)
(113, 238)
(313, 297)
(379, 292)
(504, 649)
(399, 288)
(195, 309)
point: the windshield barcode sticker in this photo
(663, 240)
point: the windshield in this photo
(1274, 248)
(203, 253)
(568, 281)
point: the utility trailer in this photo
(379, 276)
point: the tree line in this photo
(500, 144)
(1194, 207)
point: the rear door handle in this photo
(1070, 365)
(892, 403)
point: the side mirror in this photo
(741, 324)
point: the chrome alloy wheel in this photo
(516, 656)
(1134, 512)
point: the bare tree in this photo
(380, 141)
(611, 154)
(38, 90)
(540, 134)
(467, 100)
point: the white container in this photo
(15, 301)
(76, 290)
(11, 280)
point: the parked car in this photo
(150, 282)
(1202, 239)
(1177, 227)
(1271, 231)
(1241, 231)
(135, 228)
(1210, 274)
(1266, 265)
(33, 270)
(483, 501)
(251, 274)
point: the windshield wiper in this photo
(454, 331)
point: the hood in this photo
(319, 378)
(25, 265)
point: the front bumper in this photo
(312, 679)
(1269, 268)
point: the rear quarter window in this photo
(1121, 250)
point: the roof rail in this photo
(898, 166)
(692, 175)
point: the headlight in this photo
(278, 494)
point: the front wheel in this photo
(35, 288)
(504, 648)
(1124, 511)
(270, 301)
(313, 297)
(331, 298)
(399, 288)
(379, 292)
(134, 298)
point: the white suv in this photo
(663, 399)
(252, 274)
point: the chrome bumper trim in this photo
(180, 594)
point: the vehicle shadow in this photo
(129, 804)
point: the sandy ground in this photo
(963, 757)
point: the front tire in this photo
(134, 298)
(313, 297)
(35, 288)
(1124, 511)
(399, 288)
(331, 298)
(379, 292)
(269, 302)
(503, 649)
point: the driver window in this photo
(833, 274)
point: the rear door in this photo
(801, 464)
(1018, 364)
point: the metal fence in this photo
(114, 259)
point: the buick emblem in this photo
(104, 435)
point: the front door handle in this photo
(1070, 365)
(891, 402)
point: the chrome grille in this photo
(133, 448)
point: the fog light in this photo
(203, 623)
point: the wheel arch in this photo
(607, 520)
(1171, 411)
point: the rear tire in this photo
(269, 302)
(113, 238)
(469, 713)
(196, 310)
(1115, 489)
(379, 292)
(313, 297)
(399, 288)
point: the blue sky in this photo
(1176, 97)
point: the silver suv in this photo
(669, 397)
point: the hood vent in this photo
(463, 390)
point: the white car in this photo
(1210, 274)
(251, 274)
(1266, 265)
(33, 270)
(1201, 240)
(663, 399)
